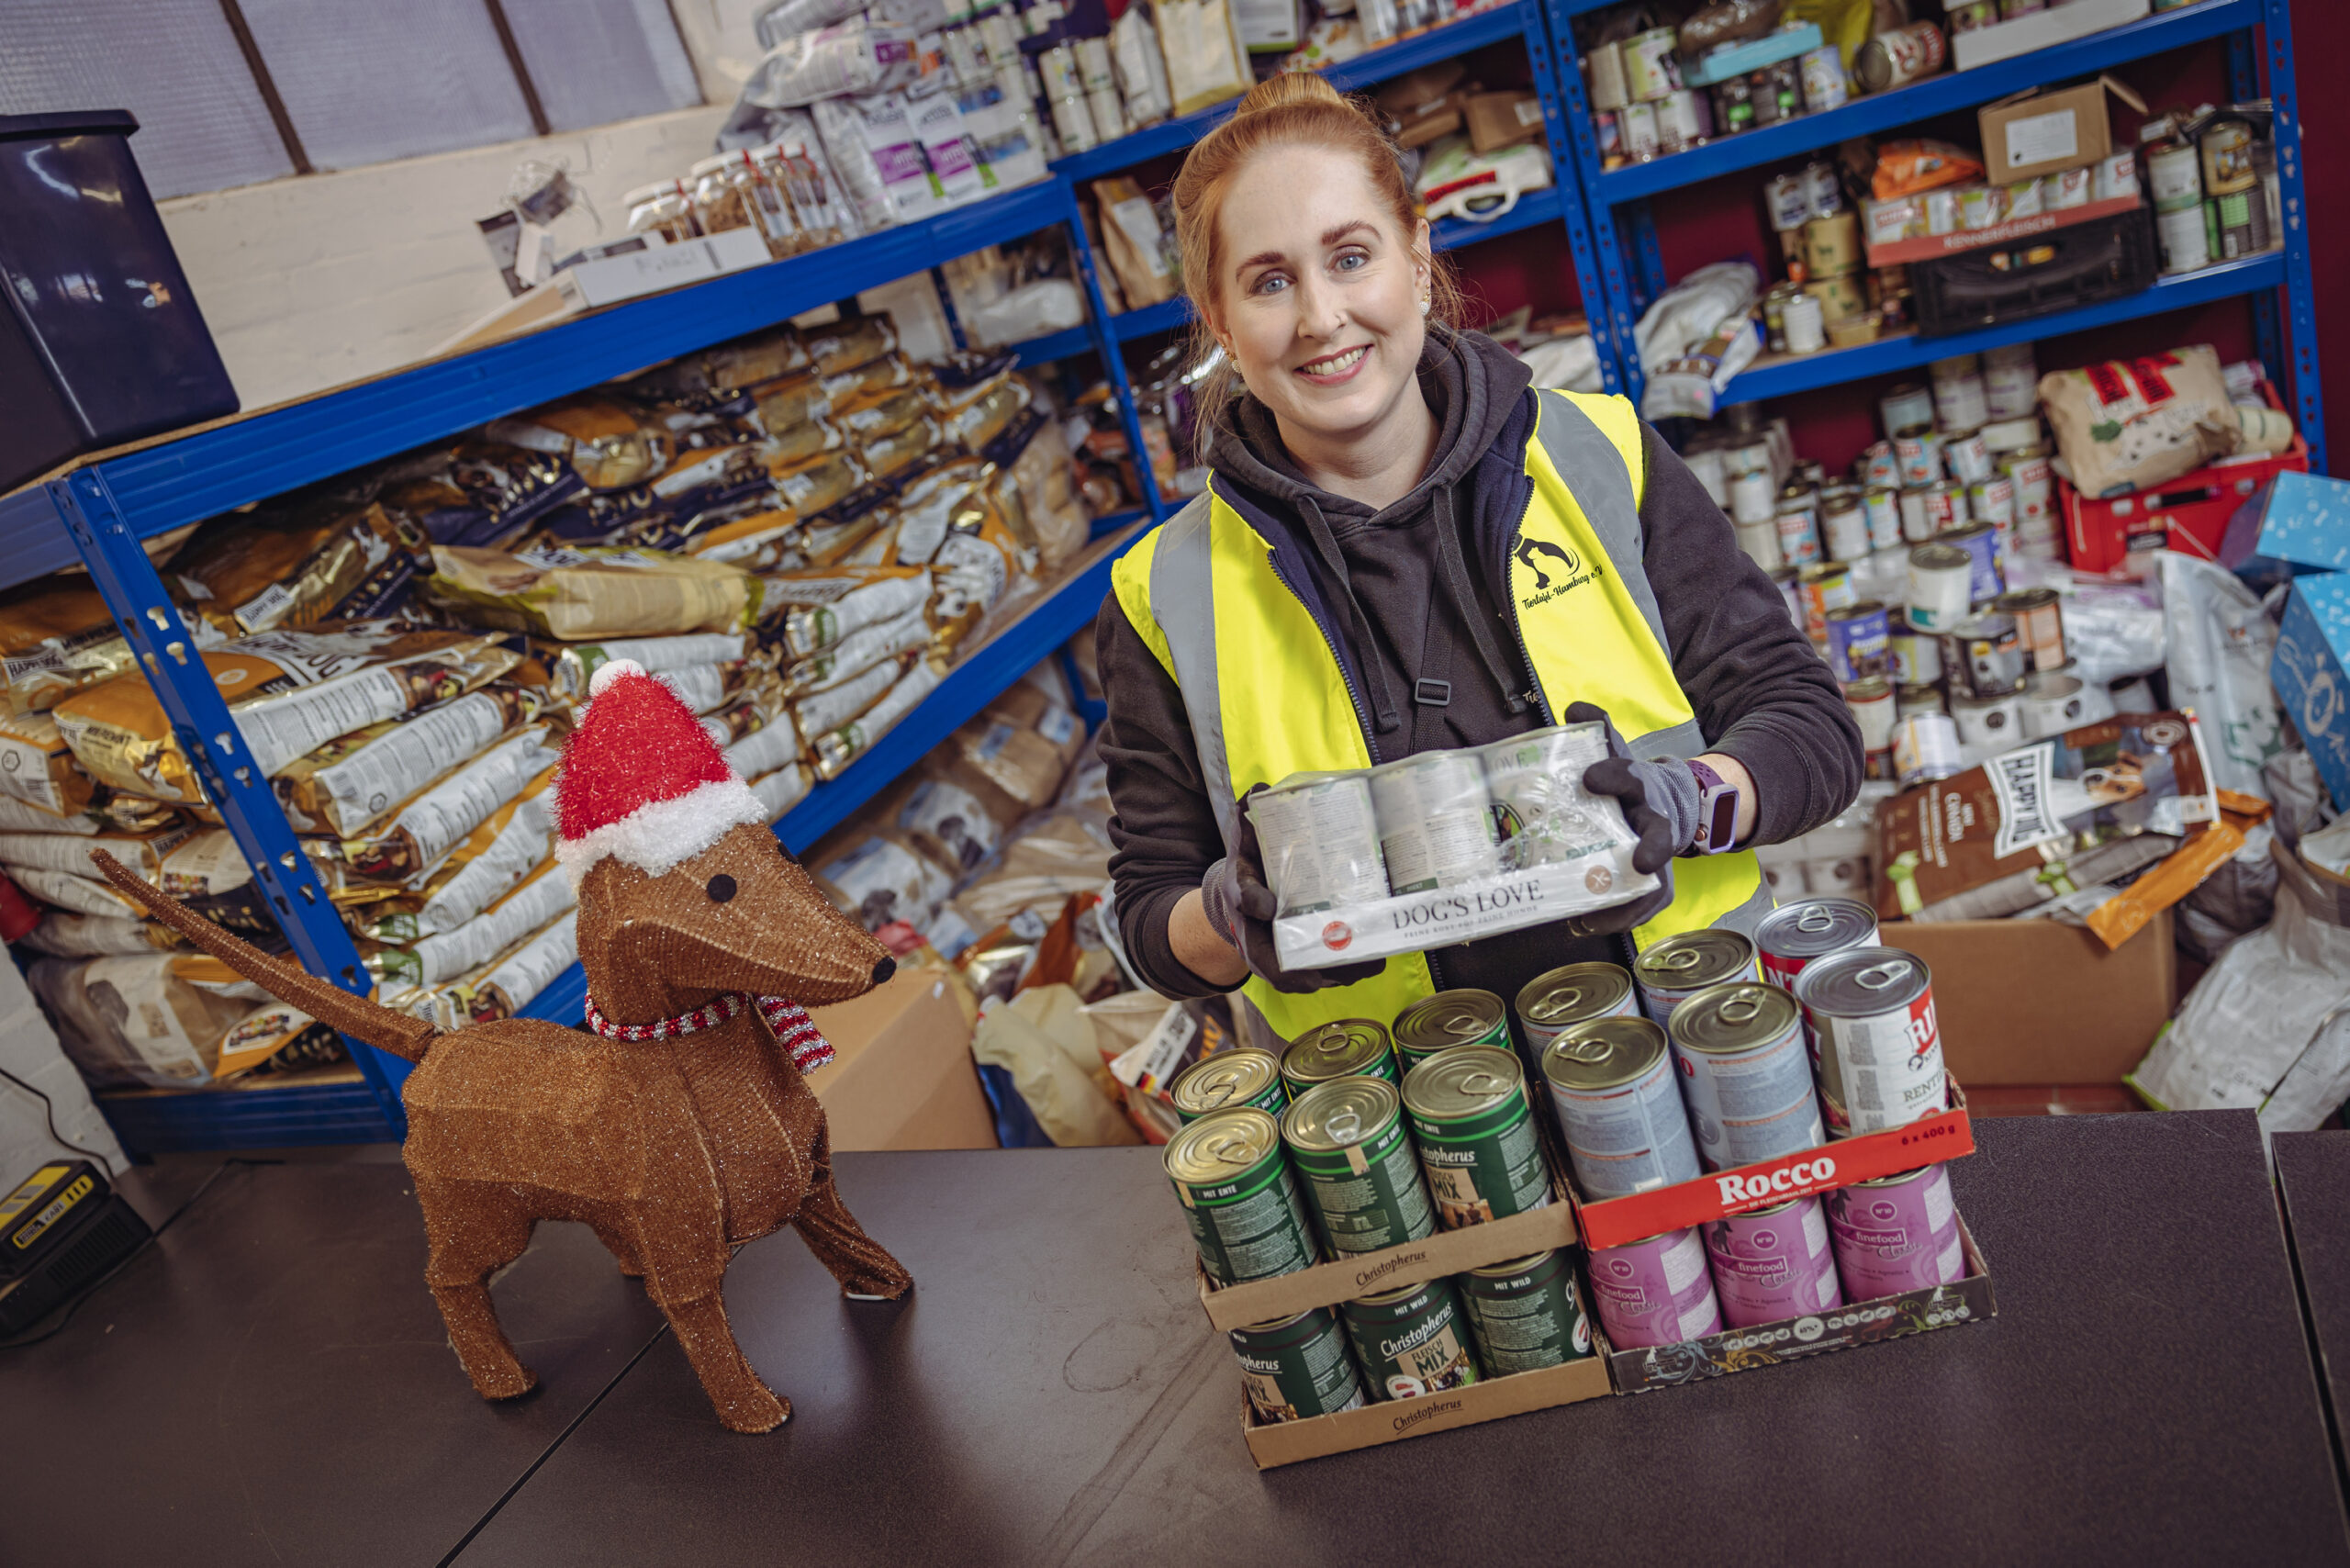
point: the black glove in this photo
(1241, 907)
(1660, 803)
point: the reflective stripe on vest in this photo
(1200, 591)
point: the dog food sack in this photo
(579, 596)
(56, 637)
(2130, 424)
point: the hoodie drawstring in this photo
(1452, 566)
(1374, 668)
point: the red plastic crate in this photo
(2190, 513)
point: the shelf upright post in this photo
(1105, 344)
(2300, 281)
(199, 718)
(1566, 121)
(1610, 265)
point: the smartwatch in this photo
(1716, 812)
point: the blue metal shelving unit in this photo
(1631, 267)
(100, 513)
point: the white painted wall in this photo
(311, 282)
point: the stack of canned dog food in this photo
(1807, 1032)
(1715, 1052)
(1354, 1140)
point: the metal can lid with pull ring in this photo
(1345, 1047)
(1243, 1076)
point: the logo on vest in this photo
(1555, 567)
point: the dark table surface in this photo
(2313, 1177)
(271, 1384)
(1053, 1394)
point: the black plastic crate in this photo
(2064, 269)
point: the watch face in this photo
(1721, 817)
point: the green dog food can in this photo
(1450, 1018)
(1361, 1177)
(1524, 1314)
(1469, 1114)
(1297, 1368)
(1240, 1197)
(1410, 1341)
(1228, 1080)
(1349, 1048)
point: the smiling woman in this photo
(1405, 548)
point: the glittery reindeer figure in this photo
(682, 1126)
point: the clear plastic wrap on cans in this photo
(1673, 968)
(1746, 1074)
(1435, 822)
(1320, 842)
(1880, 1050)
(1294, 1369)
(1773, 1263)
(1655, 1291)
(1619, 1115)
(1361, 1179)
(1793, 934)
(1897, 1234)
(1471, 842)
(1571, 994)
(1475, 1126)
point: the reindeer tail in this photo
(330, 1004)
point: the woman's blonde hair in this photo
(1295, 108)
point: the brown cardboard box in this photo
(1503, 119)
(2040, 133)
(2036, 1002)
(1388, 1420)
(901, 1075)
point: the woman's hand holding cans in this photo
(1240, 906)
(1660, 801)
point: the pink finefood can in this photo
(1793, 934)
(1897, 1234)
(1773, 1263)
(1657, 1291)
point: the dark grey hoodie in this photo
(1413, 597)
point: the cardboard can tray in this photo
(1933, 1139)
(1965, 1300)
(1272, 1444)
(1445, 1254)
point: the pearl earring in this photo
(1423, 306)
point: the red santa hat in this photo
(642, 781)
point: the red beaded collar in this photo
(787, 1020)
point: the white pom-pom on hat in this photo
(607, 673)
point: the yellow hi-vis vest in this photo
(1266, 699)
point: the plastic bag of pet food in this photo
(756, 541)
(56, 637)
(977, 565)
(929, 506)
(855, 56)
(516, 840)
(351, 783)
(137, 1020)
(1063, 851)
(1136, 245)
(782, 789)
(2129, 424)
(882, 878)
(760, 703)
(835, 749)
(430, 961)
(822, 712)
(250, 572)
(574, 665)
(763, 750)
(1042, 471)
(886, 643)
(878, 548)
(814, 611)
(1205, 64)
(871, 143)
(790, 402)
(578, 596)
(887, 456)
(802, 442)
(842, 537)
(854, 382)
(518, 978)
(977, 414)
(61, 935)
(882, 413)
(850, 343)
(290, 692)
(429, 824)
(80, 895)
(69, 854)
(17, 816)
(607, 442)
(813, 488)
(1908, 166)
(957, 821)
